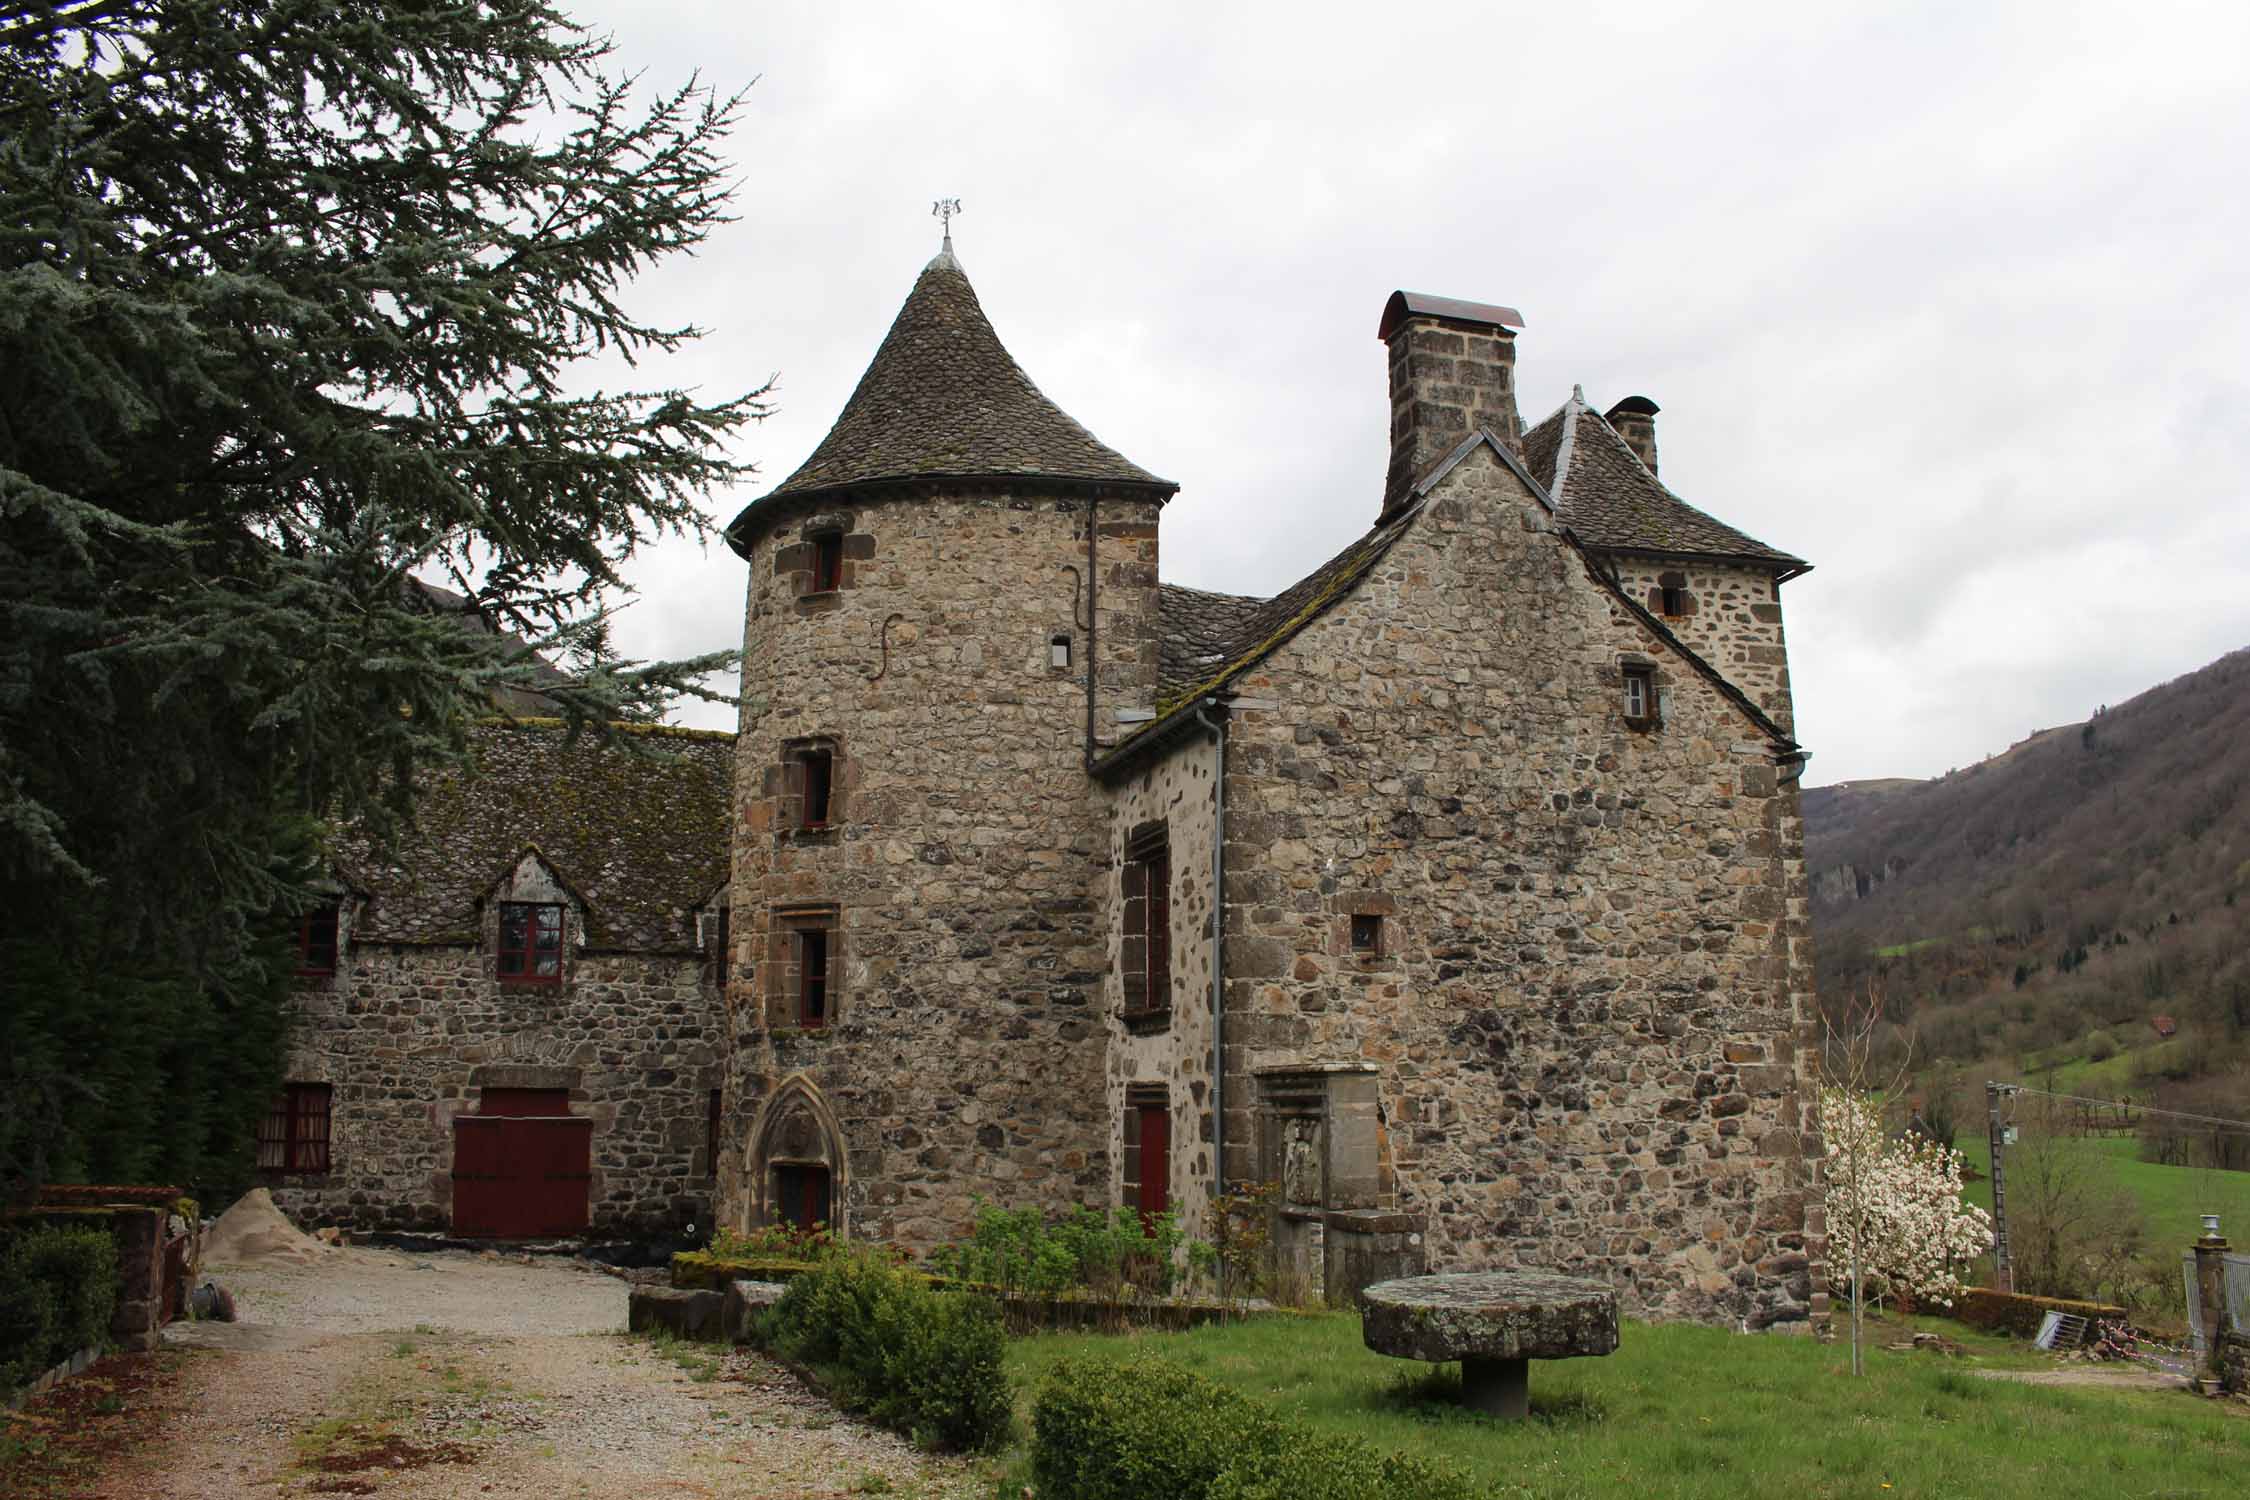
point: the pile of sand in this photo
(254, 1231)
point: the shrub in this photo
(1142, 1428)
(920, 1361)
(1319, 1467)
(2101, 1047)
(58, 1287)
(1020, 1250)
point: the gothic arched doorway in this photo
(797, 1165)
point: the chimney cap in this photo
(1404, 305)
(1634, 406)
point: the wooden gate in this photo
(522, 1166)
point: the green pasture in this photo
(2172, 1200)
(1685, 1411)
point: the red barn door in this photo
(522, 1166)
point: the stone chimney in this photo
(1634, 420)
(1453, 371)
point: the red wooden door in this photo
(1156, 1160)
(521, 1176)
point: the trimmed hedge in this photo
(58, 1288)
(2014, 1313)
(1144, 1428)
(923, 1362)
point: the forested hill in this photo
(2089, 874)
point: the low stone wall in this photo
(2234, 1363)
(2014, 1313)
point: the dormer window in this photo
(317, 939)
(530, 950)
(1640, 696)
(828, 562)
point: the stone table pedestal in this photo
(1495, 1323)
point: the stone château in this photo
(1457, 890)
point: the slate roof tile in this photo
(642, 840)
(943, 399)
(1611, 502)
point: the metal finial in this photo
(943, 211)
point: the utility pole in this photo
(2003, 1268)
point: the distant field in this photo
(1692, 1412)
(2172, 1199)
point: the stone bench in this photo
(1494, 1323)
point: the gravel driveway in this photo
(457, 1374)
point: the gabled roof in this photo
(1246, 631)
(640, 840)
(944, 400)
(1609, 499)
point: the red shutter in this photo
(1159, 910)
(1156, 1159)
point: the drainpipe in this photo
(1093, 663)
(1218, 728)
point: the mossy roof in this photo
(1611, 502)
(637, 829)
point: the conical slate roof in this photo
(942, 399)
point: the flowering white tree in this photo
(1895, 1210)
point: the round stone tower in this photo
(948, 604)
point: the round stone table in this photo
(1495, 1323)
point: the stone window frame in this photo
(784, 976)
(1062, 650)
(1366, 933)
(1144, 955)
(1638, 673)
(1349, 907)
(299, 1129)
(1144, 1102)
(788, 779)
(823, 563)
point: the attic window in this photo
(1672, 597)
(828, 562)
(1640, 696)
(1058, 653)
(530, 949)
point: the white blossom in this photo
(1895, 1210)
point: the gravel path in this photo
(455, 1374)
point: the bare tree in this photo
(1855, 1090)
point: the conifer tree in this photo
(290, 296)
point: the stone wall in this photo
(964, 1050)
(1588, 1005)
(408, 1037)
(2234, 1363)
(1177, 791)
(1733, 621)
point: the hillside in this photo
(2053, 902)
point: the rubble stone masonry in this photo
(408, 1036)
(962, 1053)
(1589, 1007)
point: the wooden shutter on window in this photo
(1159, 909)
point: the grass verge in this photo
(1694, 1412)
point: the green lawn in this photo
(1691, 1412)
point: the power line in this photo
(2146, 1109)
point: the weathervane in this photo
(943, 211)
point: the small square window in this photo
(828, 562)
(530, 942)
(317, 939)
(1640, 696)
(1367, 933)
(1058, 652)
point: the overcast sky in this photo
(1948, 299)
